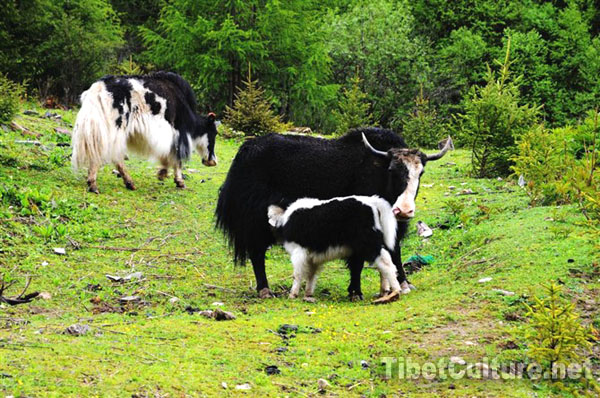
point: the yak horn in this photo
(449, 145)
(369, 147)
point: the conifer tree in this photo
(251, 112)
(354, 109)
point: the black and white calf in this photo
(152, 115)
(360, 228)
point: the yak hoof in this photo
(404, 288)
(93, 189)
(129, 185)
(310, 299)
(162, 174)
(388, 298)
(265, 293)
(411, 286)
(180, 184)
(354, 297)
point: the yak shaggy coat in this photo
(152, 115)
(316, 231)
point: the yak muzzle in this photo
(403, 215)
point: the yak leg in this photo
(311, 281)
(163, 172)
(301, 265)
(258, 266)
(387, 270)
(125, 175)
(384, 284)
(178, 175)
(397, 257)
(354, 290)
(92, 175)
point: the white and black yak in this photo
(315, 231)
(279, 169)
(152, 115)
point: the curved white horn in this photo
(449, 145)
(369, 147)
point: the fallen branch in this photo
(119, 249)
(23, 130)
(28, 142)
(22, 298)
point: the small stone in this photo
(223, 315)
(173, 300)
(217, 304)
(60, 130)
(77, 329)
(45, 296)
(272, 370)
(458, 361)
(224, 385)
(44, 263)
(504, 292)
(60, 250)
(469, 343)
(323, 384)
(287, 328)
(364, 364)
(129, 299)
(485, 280)
(451, 187)
(244, 386)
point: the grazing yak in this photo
(315, 231)
(279, 169)
(152, 115)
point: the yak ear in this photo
(211, 116)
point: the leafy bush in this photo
(423, 127)
(559, 165)
(353, 109)
(493, 120)
(10, 96)
(557, 338)
(251, 111)
(544, 160)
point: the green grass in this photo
(158, 349)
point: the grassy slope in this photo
(160, 350)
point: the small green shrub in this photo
(353, 109)
(560, 165)
(494, 120)
(10, 98)
(251, 111)
(557, 338)
(544, 159)
(423, 128)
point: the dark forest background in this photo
(308, 54)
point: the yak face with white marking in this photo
(406, 166)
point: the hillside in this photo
(158, 345)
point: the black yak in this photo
(278, 169)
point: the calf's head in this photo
(207, 135)
(404, 173)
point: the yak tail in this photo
(95, 139)
(275, 214)
(388, 222)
